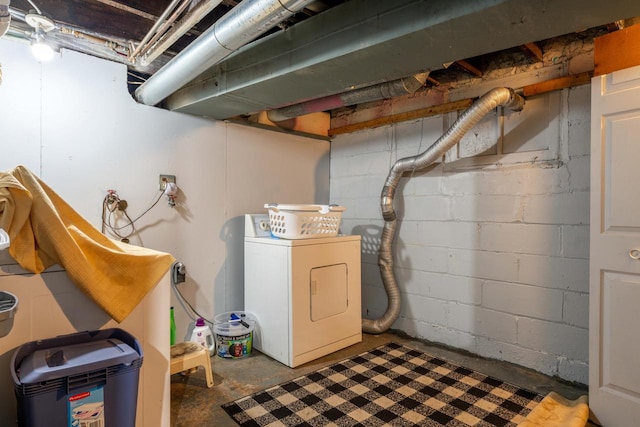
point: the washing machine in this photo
(305, 294)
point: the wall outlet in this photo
(164, 179)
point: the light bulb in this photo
(42, 51)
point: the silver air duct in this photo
(492, 99)
(239, 26)
(358, 96)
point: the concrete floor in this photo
(193, 404)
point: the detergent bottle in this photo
(202, 335)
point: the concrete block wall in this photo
(492, 250)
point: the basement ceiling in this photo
(323, 49)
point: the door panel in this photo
(614, 318)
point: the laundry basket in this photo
(304, 221)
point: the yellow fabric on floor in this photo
(45, 230)
(556, 411)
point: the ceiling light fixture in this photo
(42, 25)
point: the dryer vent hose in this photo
(496, 97)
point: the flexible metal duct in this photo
(492, 99)
(357, 96)
(239, 26)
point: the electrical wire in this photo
(112, 203)
(183, 300)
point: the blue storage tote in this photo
(87, 379)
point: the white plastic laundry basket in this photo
(304, 221)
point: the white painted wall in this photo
(72, 122)
(491, 254)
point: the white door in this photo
(614, 324)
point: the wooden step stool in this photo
(189, 355)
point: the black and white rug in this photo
(389, 386)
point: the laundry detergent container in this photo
(234, 334)
(86, 379)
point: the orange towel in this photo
(557, 411)
(44, 230)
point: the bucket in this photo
(234, 334)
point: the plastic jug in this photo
(202, 335)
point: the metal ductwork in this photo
(496, 97)
(5, 17)
(384, 90)
(365, 42)
(242, 24)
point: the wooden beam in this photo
(557, 84)
(433, 81)
(617, 50)
(403, 117)
(533, 50)
(470, 68)
(529, 90)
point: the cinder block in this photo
(575, 241)
(487, 208)
(433, 208)
(407, 233)
(351, 187)
(554, 272)
(466, 290)
(579, 121)
(461, 182)
(423, 309)
(460, 235)
(423, 183)
(411, 281)
(481, 322)
(367, 208)
(576, 309)
(483, 264)
(506, 181)
(532, 358)
(370, 140)
(520, 238)
(574, 371)
(580, 173)
(559, 339)
(425, 258)
(450, 337)
(523, 300)
(567, 208)
(338, 167)
(547, 180)
(369, 163)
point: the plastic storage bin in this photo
(86, 379)
(304, 221)
(234, 334)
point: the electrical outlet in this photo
(164, 179)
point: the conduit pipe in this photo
(239, 26)
(150, 53)
(384, 90)
(496, 97)
(154, 28)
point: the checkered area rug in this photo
(390, 386)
